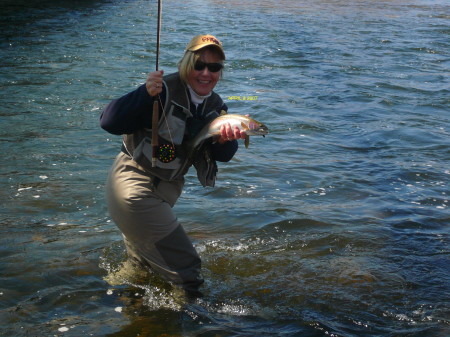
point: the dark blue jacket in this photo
(133, 111)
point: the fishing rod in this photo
(155, 116)
(158, 32)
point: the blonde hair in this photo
(187, 62)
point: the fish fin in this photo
(244, 126)
(247, 141)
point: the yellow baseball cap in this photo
(201, 41)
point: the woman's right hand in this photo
(154, 82)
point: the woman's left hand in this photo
(227, 133)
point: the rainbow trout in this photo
(244, 123)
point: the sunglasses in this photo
(212, 67)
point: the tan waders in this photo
(142, 209)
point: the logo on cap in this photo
(210, 39)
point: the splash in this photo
(153, 292)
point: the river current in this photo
(335, 224)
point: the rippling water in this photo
(336, 224)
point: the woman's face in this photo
(203, 81)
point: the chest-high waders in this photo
(140, 198)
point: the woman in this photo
(141, 195)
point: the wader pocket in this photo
(206, 168)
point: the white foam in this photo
(23, 189)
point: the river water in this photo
(336, 224)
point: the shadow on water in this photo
(297, 277)
(237, 299)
